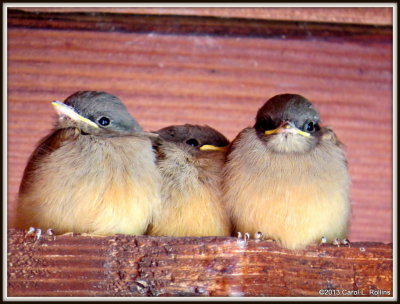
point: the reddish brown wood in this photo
(210, 79)
(122, 265)
(196, 26)
(358, 15)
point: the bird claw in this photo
(37, 233)
(336, 242)
(345, 242)
(258, 236)
(245, 238)
(50, 232)
(30, 231)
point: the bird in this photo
(287, 176)
(94, 173)
(190, 159)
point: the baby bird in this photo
(190, 159)
(287, 176)
(94, 173)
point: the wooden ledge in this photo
(122, 265)
(359, 15)
(196, 25)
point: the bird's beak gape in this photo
(287, 127)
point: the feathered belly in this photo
(103, 189)
(295, 205)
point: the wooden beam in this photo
(182, 25)
(355, 15)
(122, 265)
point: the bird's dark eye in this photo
(311, 127)
(104, 121)
(192, 142)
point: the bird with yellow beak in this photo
(287, 176)
(94, 173)
(190, 159)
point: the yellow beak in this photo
(63, 109)
(284, 127)
(211, 148)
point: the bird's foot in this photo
(33, 232)
(339, 242)
(345, 242)
(50, 232)
(336, 242)
(258, 236)
(245, 238)
(323, 241)
(36, 233)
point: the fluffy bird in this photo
(287, 176)
(190, 159)
(94, 173)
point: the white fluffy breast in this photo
(294, 198)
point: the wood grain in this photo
(197, 26)
(356, 15)
(121, 265)
(173, 78)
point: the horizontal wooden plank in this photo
(208, 266)
(357, 15)
(220, 80)
(170, 24)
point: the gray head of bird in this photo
(288, 123)
(194, 138)
(95, 113)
